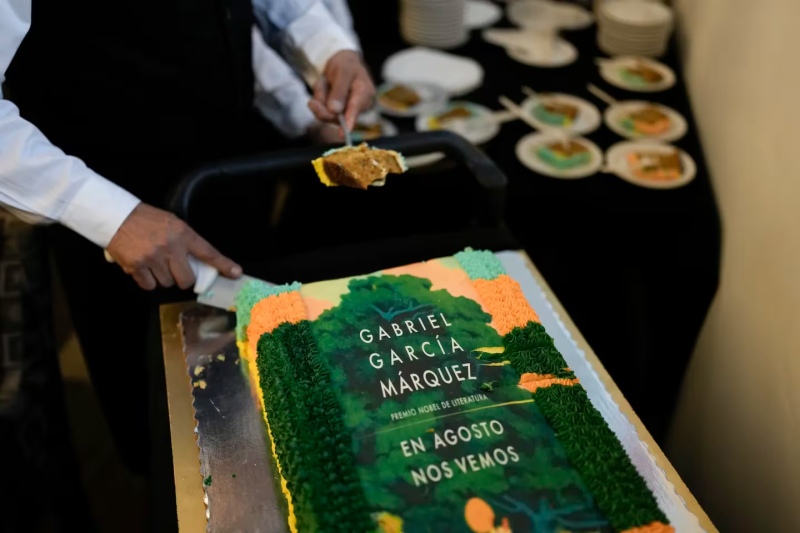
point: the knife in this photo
(211, 288)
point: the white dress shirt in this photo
(281, 95)
(42, 184)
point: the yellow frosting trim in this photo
(250, 357)
(319, 167)
(655, 527)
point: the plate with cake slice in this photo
(558, 111)
(651, 165)
(474, 122)
(410, 99)
(645, 120)
(638, 74)
(559, 156)
(369, 129)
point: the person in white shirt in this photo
(282, 96)
(33, 168)
(106, 105)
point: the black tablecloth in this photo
(635, 268)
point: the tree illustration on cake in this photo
(410, 365)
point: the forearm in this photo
(42, 184)
(39, 182)
(309, 33)
(281, 96)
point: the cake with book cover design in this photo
(429, 397)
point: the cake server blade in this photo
(348, 139)
(222, 293)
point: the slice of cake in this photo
(647, 121)
(429, 397)
(656, 166)
(641, 75)
(556, 113)
(367, 132)
(358, 166)
(457, 112)
(564, 155)
(400, 97)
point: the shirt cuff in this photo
(98, 210)
(288, 111)
(319, 36)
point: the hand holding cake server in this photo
(103, 109)
(43, 184)
(155, 247)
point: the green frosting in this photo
(628, 124)
(632, 79)
(554, 119)
(252, 292)
(531, 350)
(561, 162)
(480, 264)
(591, 447)
(313, 446)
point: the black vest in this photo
(136, 78)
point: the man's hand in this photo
(153, 247)
(324, 133)
(345, 87)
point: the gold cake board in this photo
(189, 489)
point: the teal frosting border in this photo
(252, 292)
(480, 264)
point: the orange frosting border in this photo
(271, 312)
(531, 381)
(265, 316)
(503, 298)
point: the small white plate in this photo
(617, 163)
(587, 120)
(560, 54)
(457, 75)
(388, 129)
(526, 153)
(481, 13)
(479, 128)
(613, 72)
(432, 99)
(543, 13)
(617, 113)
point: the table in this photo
(637, 268)
(188, 484)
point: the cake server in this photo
(211, 288)
(348, 138)
(222, 291)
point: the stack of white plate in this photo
(634, 27)
(434, 23)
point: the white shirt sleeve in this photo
(38, 181)
(310, 34)
(281, 96)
